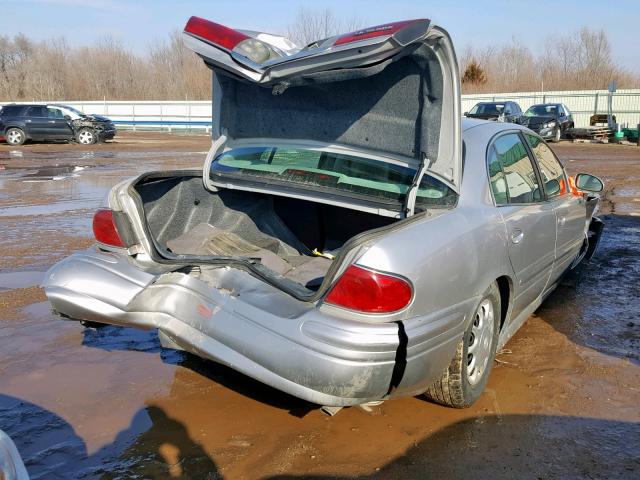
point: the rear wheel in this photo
(86, 136)
(90, 324)
(15, 136)
(466, 377)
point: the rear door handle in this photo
(52, 121)
(517, 236)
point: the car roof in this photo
(494, 127)
(26, 105)
(545, 104)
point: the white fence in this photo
(582, 103)
(197, 114)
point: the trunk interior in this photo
(294, 238)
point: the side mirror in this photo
(552, 187)
(589, 183)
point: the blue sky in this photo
(139, 23)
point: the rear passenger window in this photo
(516, 175)
(37, 112)
(496, 178)
(553, 176)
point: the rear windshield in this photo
(11, 110)
(332, 172)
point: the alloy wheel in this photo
(85, 137)
(14, 137)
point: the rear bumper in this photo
(294, 348)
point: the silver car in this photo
(350, 239)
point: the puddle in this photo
(632, 209)
(48, 209)
(53, 173)
(627, 191)
(13, 280)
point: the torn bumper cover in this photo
(286, 344)
(105, 129)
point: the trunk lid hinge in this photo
(410, 198)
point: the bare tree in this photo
(312, 25)
(53, 70)
(581, 60)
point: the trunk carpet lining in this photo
(281, 231)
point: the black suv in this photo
(500, 111)
(549, 120)
(19, 123)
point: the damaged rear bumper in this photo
(257, 330)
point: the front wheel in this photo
(557, 135)
(15, 136)
(466, 377)
(86, 136)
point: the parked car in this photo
(550, 120)
(22, 122)
(332, 247)
(500, 111)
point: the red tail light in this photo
(214, 32)
(378, 31)
(104, 228)
(370, 292)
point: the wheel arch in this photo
(505, 286)
(12, 125)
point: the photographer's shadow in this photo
(154, 446)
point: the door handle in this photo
(52, 121)
(27, 121)
(517, 236)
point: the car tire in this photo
(466, 376)
(15, 136)
(86, 136)
(90, 324)
(557, 135)
(567, 134)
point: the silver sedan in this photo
(349, 239)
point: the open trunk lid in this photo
(392, 90)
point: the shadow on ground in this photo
(156, 446)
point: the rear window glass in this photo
(37, 112)
(330, 171)
(11, 110)
(511, 157)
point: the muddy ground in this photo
(563, 400)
